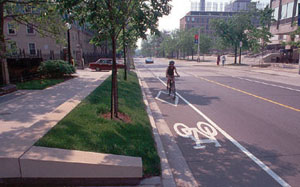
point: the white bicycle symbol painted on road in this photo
(203, 128)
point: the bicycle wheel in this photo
(182, 130)
(170, 87)
(174, 90)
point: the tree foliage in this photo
(169, 44)
(241, 28)
(41, 15)
(259, 37)
(108, 18)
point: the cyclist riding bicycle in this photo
(170, 72)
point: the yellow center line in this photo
(259, 97)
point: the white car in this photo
(149, 61)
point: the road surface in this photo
(233, 126)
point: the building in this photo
(238, 6)
(202, 5)
(23, 40)
(198, 19)
(215, 7)
(286, 16)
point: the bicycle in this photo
(171, 87)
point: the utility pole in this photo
(299, 62)
(198, 51)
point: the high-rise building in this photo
(238, 6)
(221, 8)
(208, 6)
(215, 6)
(202, 5)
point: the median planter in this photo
(84, 129)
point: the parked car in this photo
(104, 64)
(149, 61)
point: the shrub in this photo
(56, 68)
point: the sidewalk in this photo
(274, 68)
(25, 116)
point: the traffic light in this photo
(196, 38)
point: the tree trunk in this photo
(5, 74)
(114, 83)
(124, 51)
(235, 54)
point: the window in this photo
(12, 47)
(284, 11)
(32, 50)
(30, 29)
(193, 19)
(11, 29)
(188, 19)
(276, 13)
(290, 8)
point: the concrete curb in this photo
(43, 162)
(15, 147)
(167, 176)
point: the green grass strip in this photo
(83, 129)
(38, 84)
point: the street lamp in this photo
(69, 26)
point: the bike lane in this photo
(220, 162)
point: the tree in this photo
(233, 31)
(127, 40)
(39, 14)
(259, 37)
(205, 44)
(107, 18)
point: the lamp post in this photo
(241, 45)
(69, 43)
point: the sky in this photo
(179, 9)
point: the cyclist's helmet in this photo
(171, 62)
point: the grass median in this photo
(38, 84)
(84, 129)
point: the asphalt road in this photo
(234, 127)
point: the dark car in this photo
(149, 61)
(104, 64)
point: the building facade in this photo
(238, 6)
(25, 41)
(198, 19)
(285, 15)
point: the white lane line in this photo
(236, 143)
(175, 101)
(260, 82)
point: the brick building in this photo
(199, 19)
(286, 19)
(23, 39)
